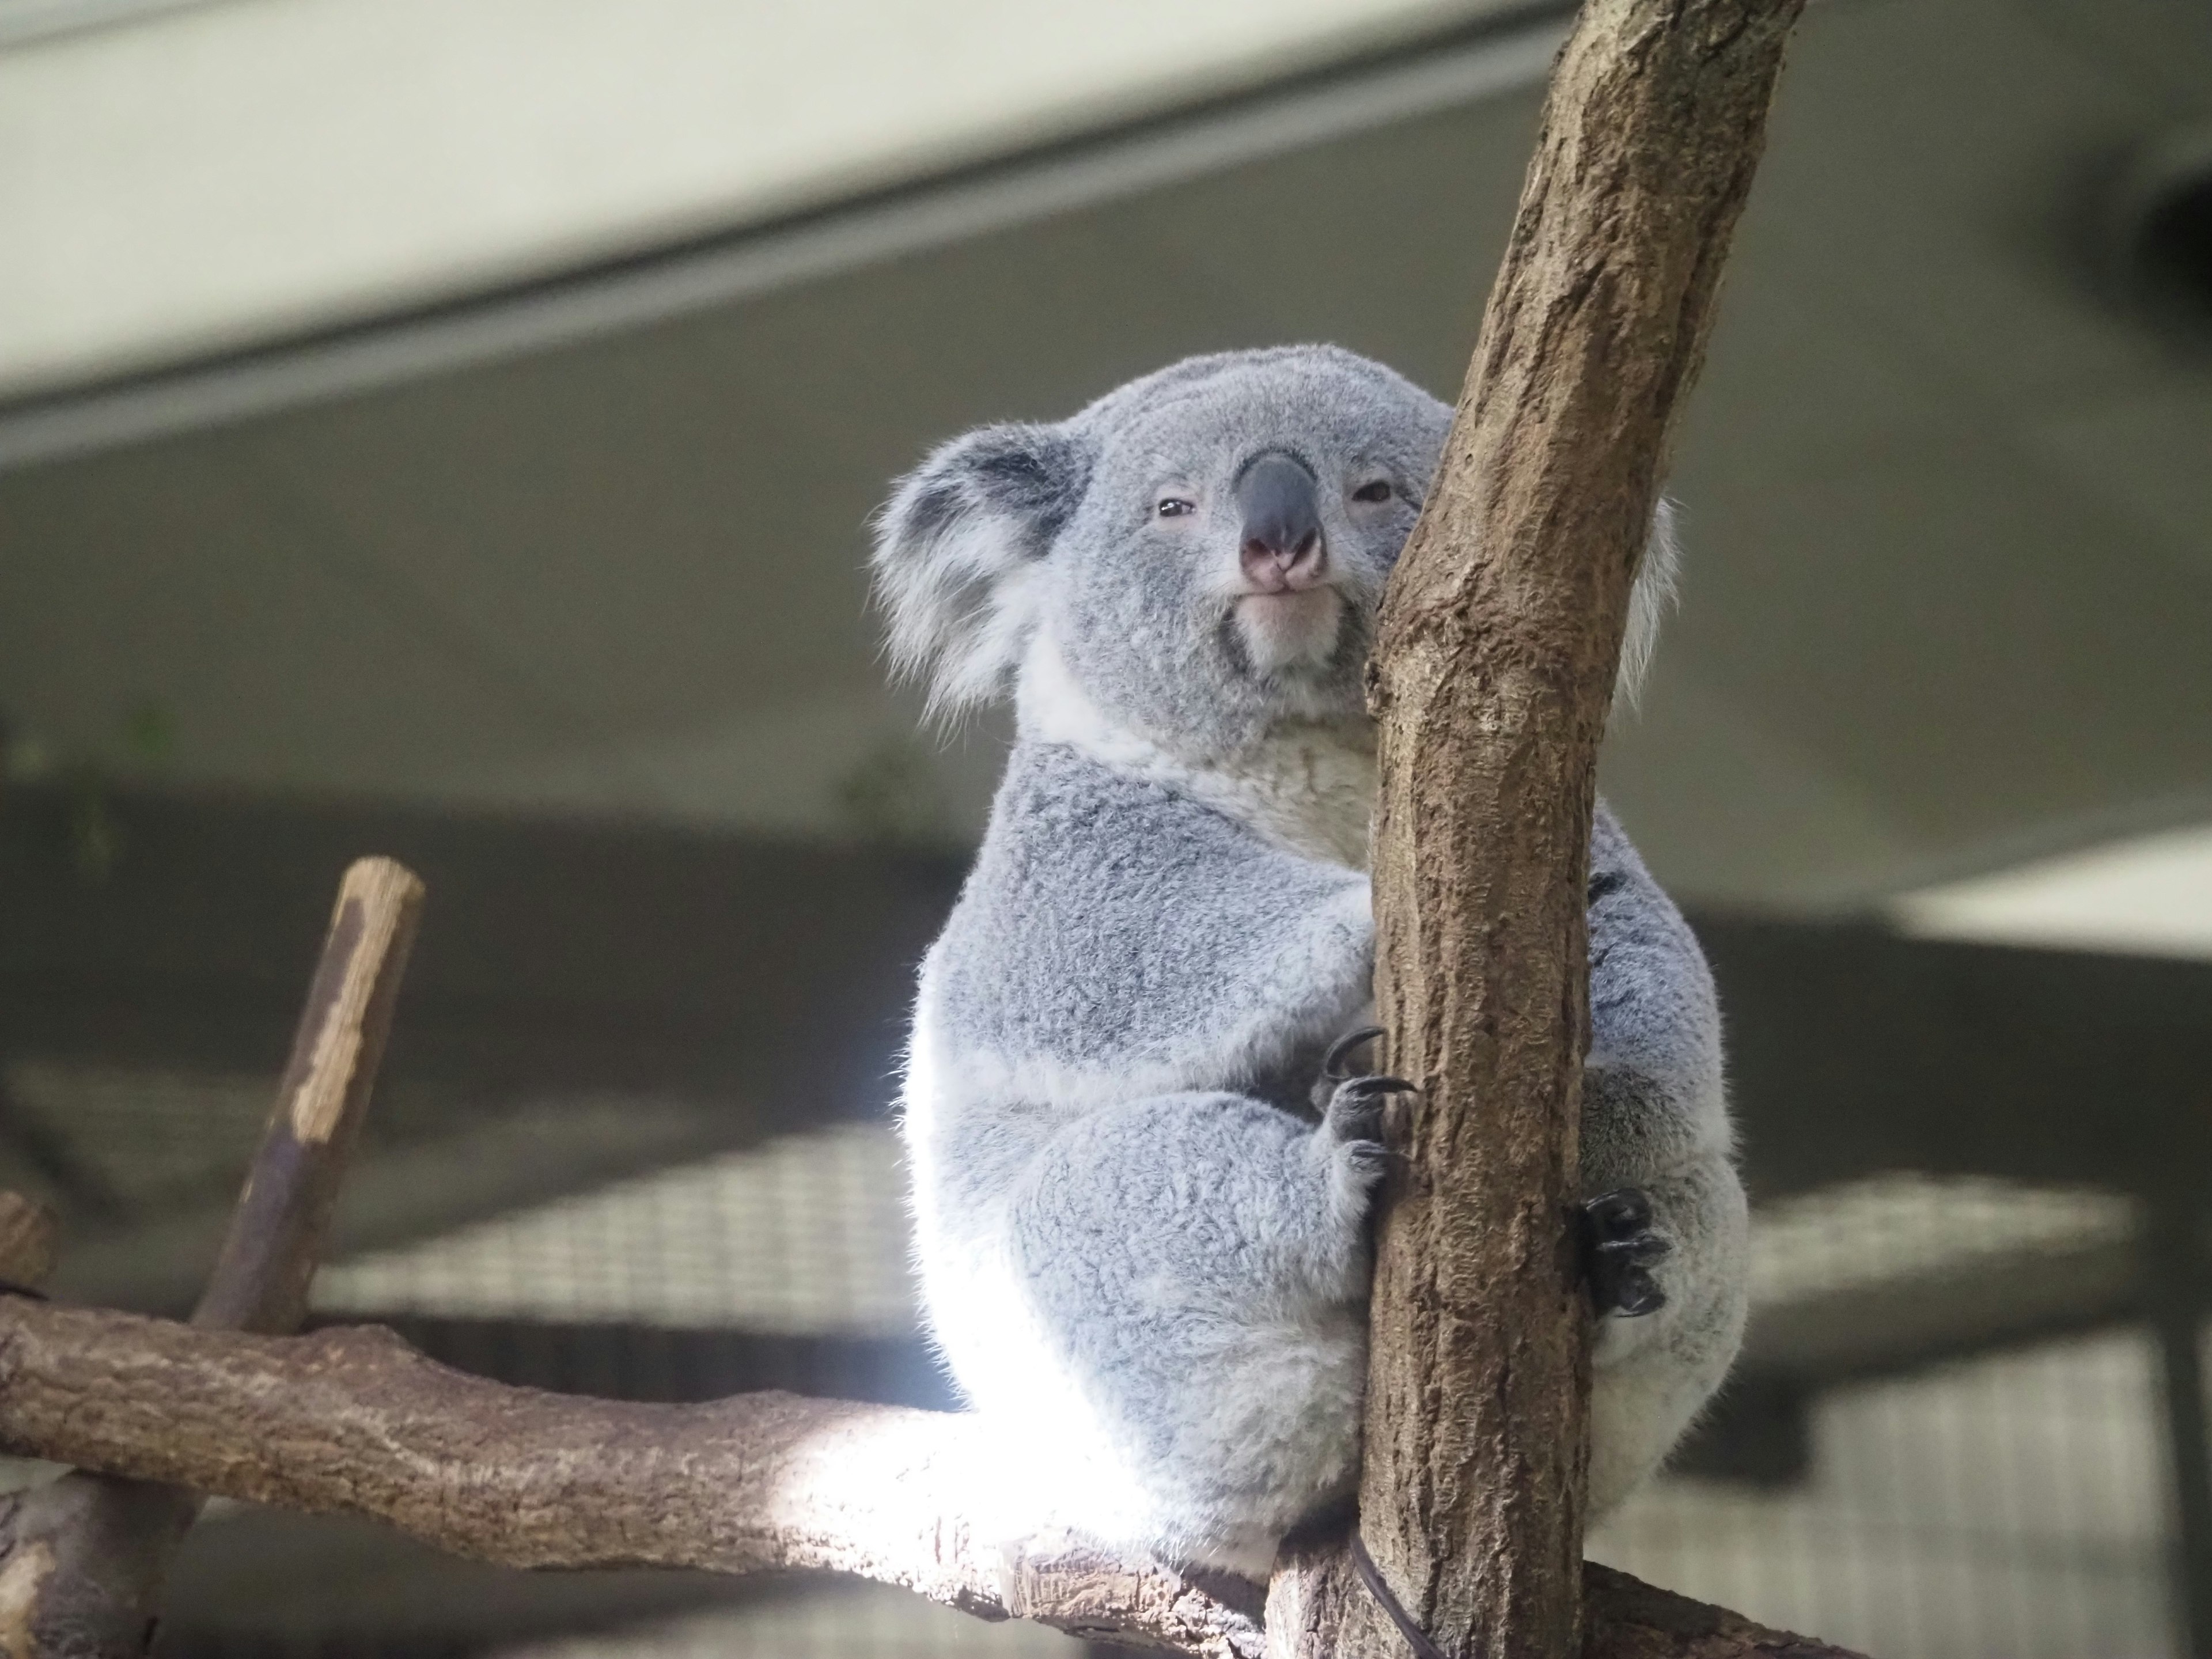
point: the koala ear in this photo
(959, 549)
(1647, 602)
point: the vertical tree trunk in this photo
(1493, 680)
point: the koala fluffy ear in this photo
(959, 547)
(1647, 603)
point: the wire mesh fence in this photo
(2009, 1507)
(843, 1622)
(804, 1235)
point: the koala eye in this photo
(1377, 491)
(1175, 507)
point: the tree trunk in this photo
(1499, 643)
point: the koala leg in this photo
(1654, 1372)
(1619, 1246)
(1198, 1264)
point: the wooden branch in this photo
(1628, 1618)
(1492, 678)
(282, 1219)
(84, 1561)
(353, 1421)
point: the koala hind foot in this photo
(1351, 1102)
(1618, 1246)
(1355, 1109)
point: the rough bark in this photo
(282, 1219)
(85, 1559)
(353, 1421)
(1628, 1618)
(1493, 680)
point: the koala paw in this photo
(1617, 1248)
(1353, 1120)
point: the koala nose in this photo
(1281, 549)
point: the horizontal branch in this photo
(353, 1421)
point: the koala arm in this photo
(1117, 941)
(1655, 1113)
(1655, 1116)
(1652, 1082)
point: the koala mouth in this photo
(1285, 631)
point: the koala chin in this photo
(1140, 1198)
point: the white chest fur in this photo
(1307, 788)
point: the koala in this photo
(1140, 1208)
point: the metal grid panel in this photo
(2010, 1507)
(855, 1622)
(805, 1234)
(1860, 1234)
(143, 1137)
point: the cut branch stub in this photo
(283, 1220)
(83, 1559)
(1493, 679)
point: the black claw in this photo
(1623, 1210)
(1617, 1245)
(1374, 1088)
(1634, 1293)
(1635, 1249)
(1331, 1065)
(1355, 1109)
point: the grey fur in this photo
(1139, 1252)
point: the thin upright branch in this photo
(283, 1220)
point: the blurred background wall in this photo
(447, 430)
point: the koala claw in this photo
(1355, 1110)
(1618, 1246)
(1333, 1063)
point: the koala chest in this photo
(1310, 790)
(1306, 787)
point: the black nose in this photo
(1282, 546)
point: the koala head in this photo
(1199, 554)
